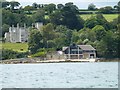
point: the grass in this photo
(108, 17)
(20, 47)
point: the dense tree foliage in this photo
(35, 41)
(63, 25)
(9, 54)
(91, 7)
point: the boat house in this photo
(79, 52)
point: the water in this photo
(60, 75)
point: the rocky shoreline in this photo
(38, 60)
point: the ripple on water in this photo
(96, 77)
(86, 75)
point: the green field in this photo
(108, 17)
(20, 47)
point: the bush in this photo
(10, 54)
(40, 53)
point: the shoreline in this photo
(36, 61)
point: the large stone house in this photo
(79, 52)
(20, 34)
(17, 34)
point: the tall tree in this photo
(28, 8)
(91, 6)
(35, 5)
(5, 4)
(60, 6)
(39, 16)
(50, 8)
(14, 4)
(47, 33)
(35, 41)
(70, 17)
(99, 31)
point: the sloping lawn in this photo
(109, 17)
(20, 47)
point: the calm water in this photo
(60, 75)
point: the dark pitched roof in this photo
(86, 47)
(83, 47)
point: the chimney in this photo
(12, 26)
(17, 25)
(24, 25)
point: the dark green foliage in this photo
(90, 23)
(60, 6)
(102, 21)
(39, 16)
(10, 18)
(28, 9)
(91, 7)
(99, 31)
(9, 54)
(68, 37)
(35, 41)
(56, 18)
(5, 28)
(40, 53)
(5, 4)
(67, 16)
(50, 8)
(63, 26)
(97, 20)
(106, 10)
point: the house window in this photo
(74, 50)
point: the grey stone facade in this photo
(17, 34)
(20, 34)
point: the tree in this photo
(50, 8)
(56, 17)
(109, 43)
(47, 33)
(68, 39)
(117, 7)
(35, 41)
(60, 6)
(91, 7)
(118, 40)
(99, 31)
(106, 10)
(91, 22)
(28, 8)
(72, 7)
(35, 5)
(8, 17)
(5, 28)
(75, 37)
(14, 4)
(61, 37)
(102, 21)
(39, 16)
(5, 4)
(70, 17)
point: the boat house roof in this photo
(83, 47)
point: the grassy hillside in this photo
(108, 17)
(20, 47)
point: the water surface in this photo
(60, 75)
